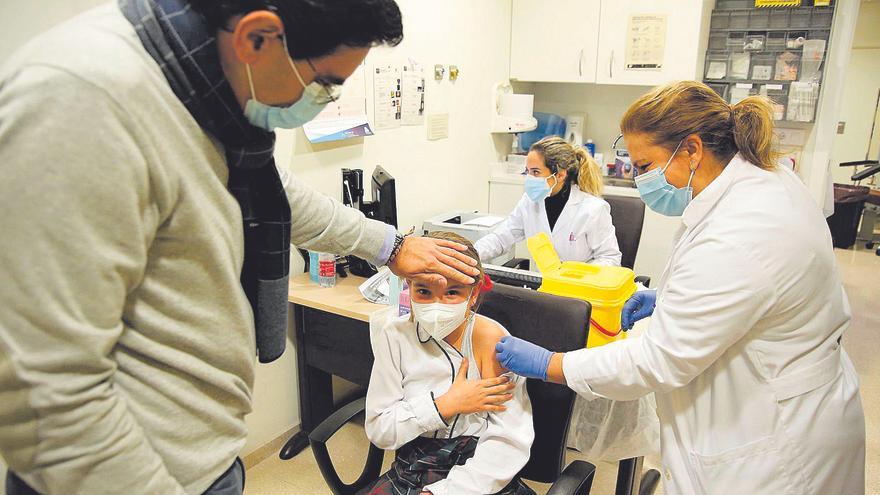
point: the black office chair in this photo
(557, 323)
(628, 216)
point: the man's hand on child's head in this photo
(434, 260)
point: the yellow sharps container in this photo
(606, 288)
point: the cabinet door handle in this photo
(581, 63)
(611, 65)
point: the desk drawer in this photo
(337, 345)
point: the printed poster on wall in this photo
(645, 41)
(387, 94)
(344, 118)
(413, 95)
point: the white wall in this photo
(19, 21)
(861, 91)
(432, 176)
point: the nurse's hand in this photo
(471, 396)
(523, 358)
(640, 305)
(434, 262)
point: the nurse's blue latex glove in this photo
(640, 305)
(523, 358)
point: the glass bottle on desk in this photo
(326, 269)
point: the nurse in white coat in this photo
(754, 392)
(563, 199)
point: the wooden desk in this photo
(333, 338)
(344, 299)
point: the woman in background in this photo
(563, 198)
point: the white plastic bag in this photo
(607, 430)
(376, 289)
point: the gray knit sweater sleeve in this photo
(74, 243)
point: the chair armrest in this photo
(318, 440)
(858, 163)
(645, 280)
(576, 479)
(518, 263)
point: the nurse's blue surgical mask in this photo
(313, 100)
(537, 188)
(660, 195)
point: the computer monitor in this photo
(384, 204)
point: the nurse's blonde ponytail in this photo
(581, 168)
(753, 131)
(667, 114)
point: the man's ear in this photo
(253, 32)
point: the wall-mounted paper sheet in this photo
(413, 95)
(387, 91)
(645, 41)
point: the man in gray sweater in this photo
(146, 232)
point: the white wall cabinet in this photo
(554, 40)
(586, 41)
(685, 44)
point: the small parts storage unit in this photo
(606, 288)
(778, 52)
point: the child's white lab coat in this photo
(407, 376)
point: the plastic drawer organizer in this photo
(776, 52)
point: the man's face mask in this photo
(314, 98)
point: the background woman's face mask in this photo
(537, 189)
(313, 100)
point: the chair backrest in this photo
(627, 215)
(556, 323)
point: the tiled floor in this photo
(861, 275)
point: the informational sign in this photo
(645, 41)
(413, 95)
(387, 94)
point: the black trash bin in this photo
(844, 223)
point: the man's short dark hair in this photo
(315, 28)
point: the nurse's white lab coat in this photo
(754, 393)
(583, 231)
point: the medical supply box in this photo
(606, 288)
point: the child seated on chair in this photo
(437, 396)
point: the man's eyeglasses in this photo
(330, 92)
